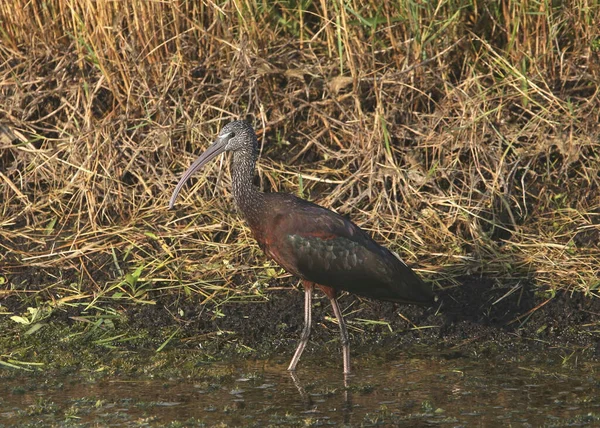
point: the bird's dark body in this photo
(323, 247)
(309, 241)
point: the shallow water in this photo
(411, 391)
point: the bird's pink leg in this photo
(343, 333)
(308, 288)
(332, 294)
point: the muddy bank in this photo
(472, 320)
(476, 320)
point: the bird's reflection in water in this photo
(310, 404)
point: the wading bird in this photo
(309, 241)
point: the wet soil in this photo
(477, 319)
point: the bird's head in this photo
(236, 136)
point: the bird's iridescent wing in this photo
(326, 248)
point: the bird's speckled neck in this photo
(247, 197)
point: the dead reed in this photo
(463, 135)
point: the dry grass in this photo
(465, 137)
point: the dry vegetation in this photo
(464, 136)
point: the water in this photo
(425, 391)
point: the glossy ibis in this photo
(309, 241)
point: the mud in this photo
(471, 320)
(478, 319)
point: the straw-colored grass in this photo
(462, 135)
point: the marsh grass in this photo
(462, 135)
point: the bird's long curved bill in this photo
(214, 150)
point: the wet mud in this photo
(476, 319)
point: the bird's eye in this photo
(231, 134)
